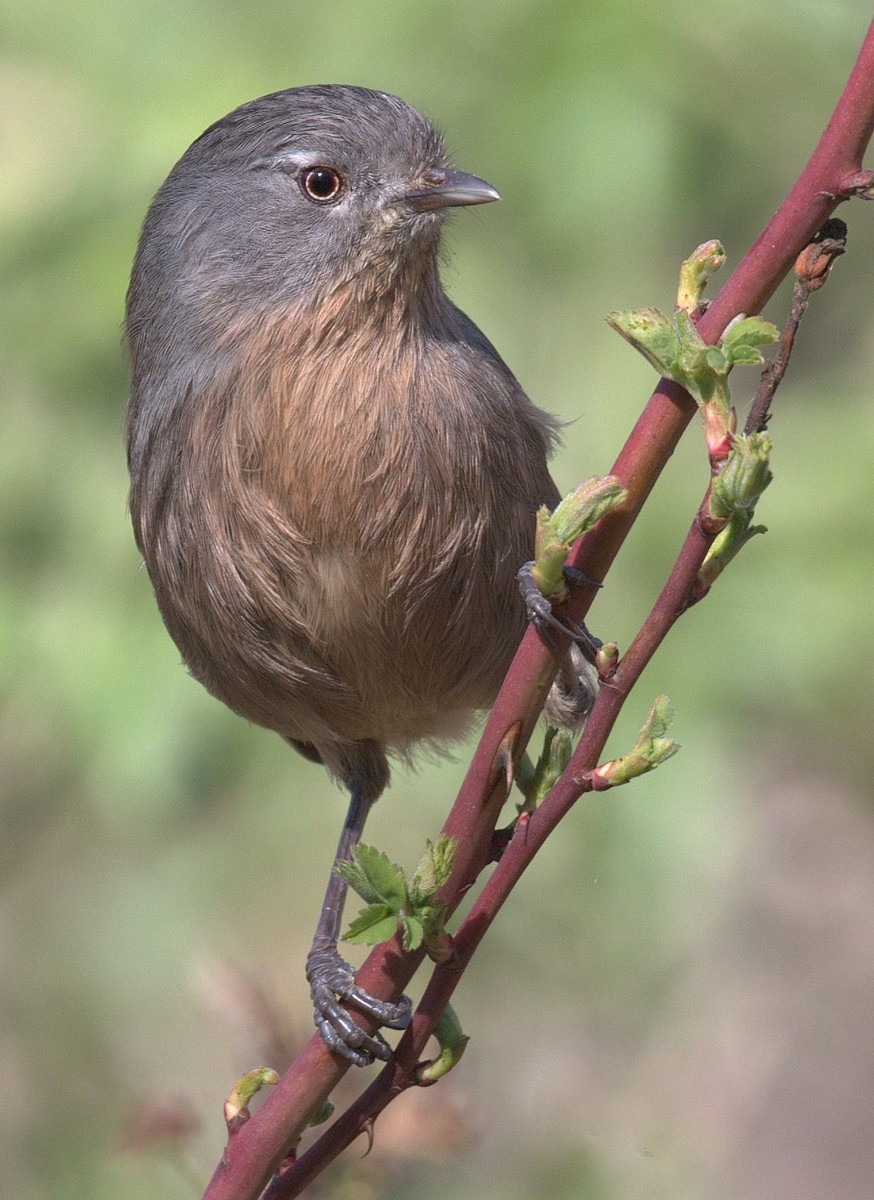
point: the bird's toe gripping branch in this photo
(331, 981)
(543, 581)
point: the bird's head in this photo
(293, 195)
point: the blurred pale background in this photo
(677, 1003)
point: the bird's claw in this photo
(540, 612)
(332, 980)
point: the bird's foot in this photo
(540, 612)
(332, 980)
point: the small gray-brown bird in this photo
(333, 474)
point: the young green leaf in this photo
(452, 1042)
(414, 932)
(651, 333)
(557, 531)
(323, 1113)
(554, 757)
(375, 878)
(433, 871)
(650, 750)
(744, 477)
(237, 1103)
(392, 900)
(725, 546)
(695, 272)
(741, 340)
(375, 923)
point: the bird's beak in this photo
(444, 187)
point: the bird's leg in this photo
(331, 978)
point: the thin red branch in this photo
(258, 1148)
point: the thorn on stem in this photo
(503, 764)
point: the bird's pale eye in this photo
(320, 184)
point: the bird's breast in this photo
(339, 542)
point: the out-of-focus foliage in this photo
(677, 1002)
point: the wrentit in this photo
(334, 476)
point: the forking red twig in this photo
(833, 174)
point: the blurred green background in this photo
(677, 1002)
